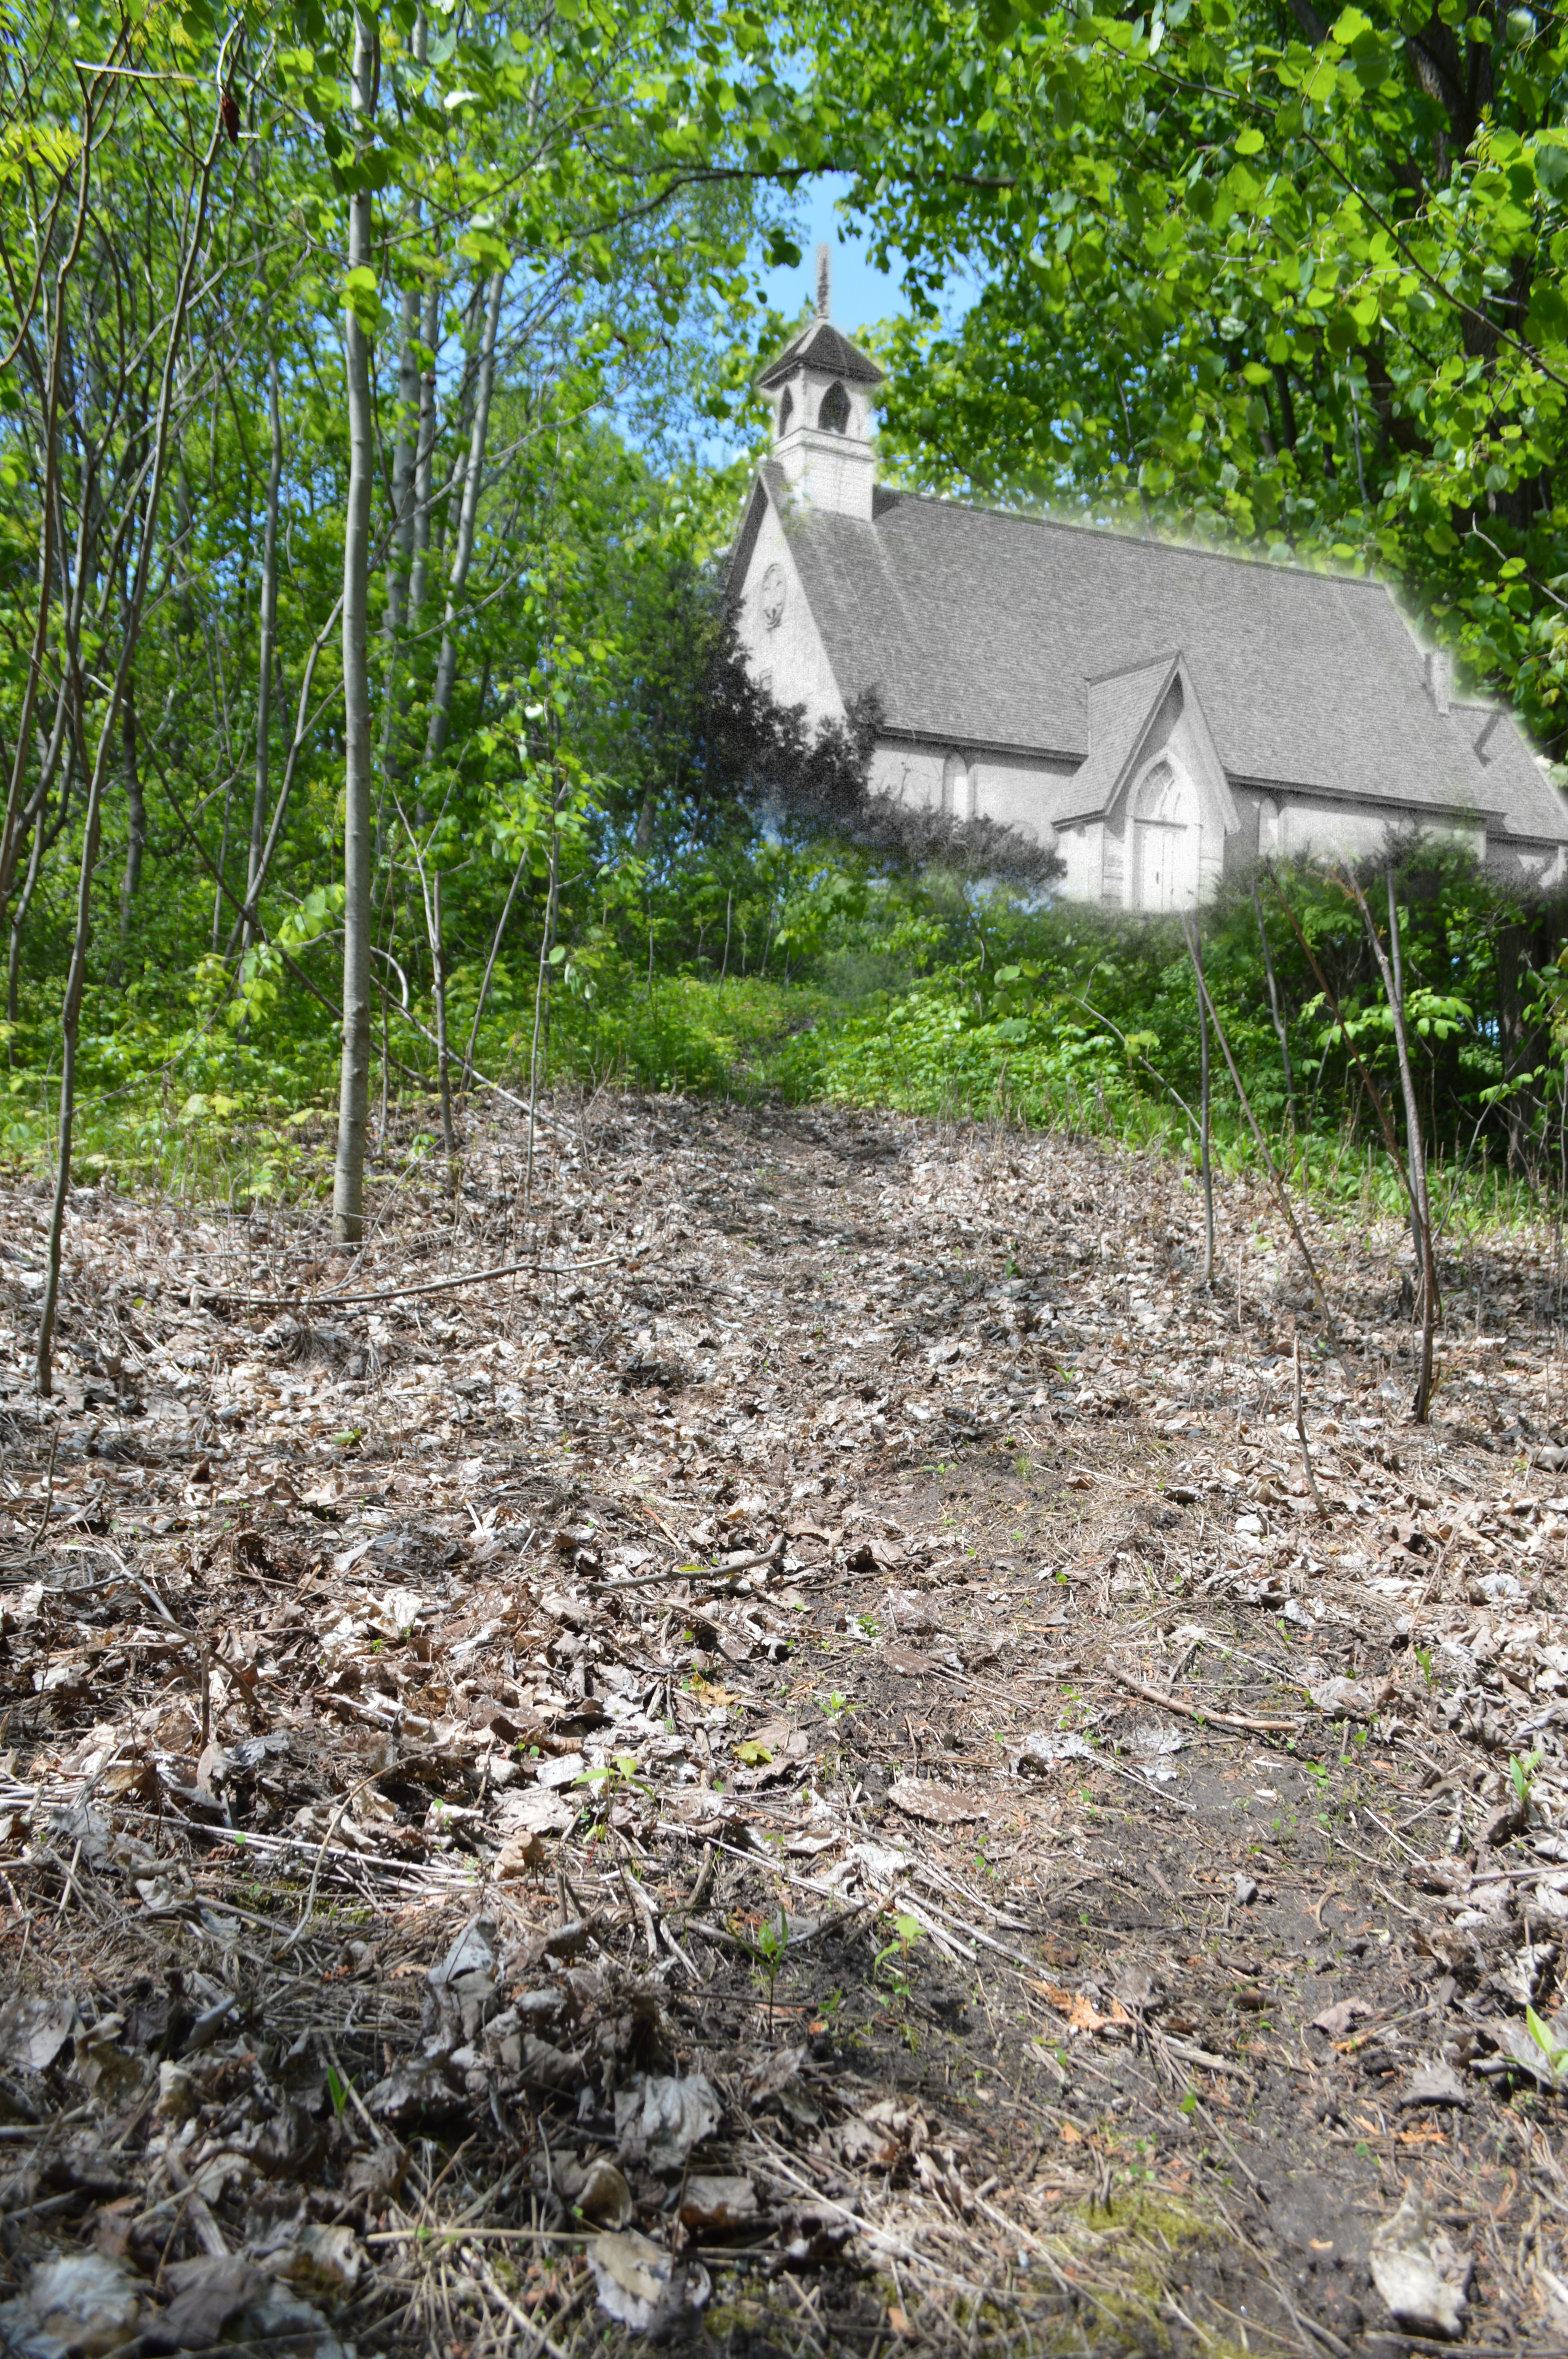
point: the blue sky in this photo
(862, 295)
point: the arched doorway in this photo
(1165, 841)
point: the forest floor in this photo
(805, 1774)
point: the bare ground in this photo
(808, 1774)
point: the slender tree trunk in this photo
(410, 475)
(1195, 951)
(19, 909)
(446, 676)
(443, 1059)
(1281, 1192)
(545, 947)
(265, 654)
(1279, 1033)
(1391, 971)
(400, 554)
(50, 430)
(495, 942)
(134, 607)
(220, 880)
(353, 1090)
(424, 459)
(136, 804)
(462, 553)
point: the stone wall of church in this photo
(1082, 848)
(785, 656)
(1305, 827)
(1019, 791)
(1014, 790)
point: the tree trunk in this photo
(135, 802)
(353, 1088)
(134, 607)
(544, 948)
(1415, 1148)
(19, 909)
(1279, 1033)
(400, 555)
(409, 467)
(49, 429)
(1270, 1167)
(425, 459)
(462, 553)
(1195, 951)
(71, 1027)
(446, 675)
(466, 1081)
(265, 656)
(443, 1058)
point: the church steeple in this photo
(821, 386)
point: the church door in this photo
(1165, 841)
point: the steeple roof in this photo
(821, 345)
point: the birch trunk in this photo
(354, 1088)
(266, 657)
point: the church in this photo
(1161, 717)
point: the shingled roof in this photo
(820, 345)
(985, 629)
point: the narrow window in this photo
(834, 414)
(786, 411)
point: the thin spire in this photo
(823, 285)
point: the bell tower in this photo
(821, 387)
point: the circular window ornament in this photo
(772, 596)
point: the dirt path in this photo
(810, 1777)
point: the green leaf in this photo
(1550, 161)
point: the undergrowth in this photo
(241, 1121)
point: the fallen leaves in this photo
(494, 1827)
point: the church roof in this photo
(977, 627)
(821, 345)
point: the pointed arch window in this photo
(834, 414)
(786, 411)
(957, 795)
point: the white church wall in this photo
(787, 658)
(910, 773)
(1303, 829)
(1082, 849)
(1020, 793)
(1013, 791)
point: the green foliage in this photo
(1242, 273)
